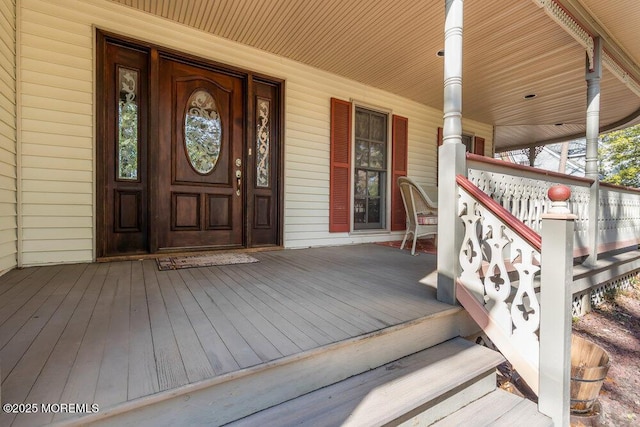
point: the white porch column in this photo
(532, 156)
(593, 77)
(451, 155)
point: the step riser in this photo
(417, 389)
(450, 402)
(241, 394)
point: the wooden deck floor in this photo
(111, 332)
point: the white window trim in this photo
(472, 148)
(387, 197)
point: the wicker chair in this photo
(422, 212)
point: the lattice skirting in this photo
(583, 301)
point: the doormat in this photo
(426, 246)
(179, 262)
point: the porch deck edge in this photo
(607, 268)
(372, 350)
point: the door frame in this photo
(250, 80)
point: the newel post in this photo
(555, 307)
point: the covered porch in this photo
(123, 334)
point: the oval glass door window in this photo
(202, 132)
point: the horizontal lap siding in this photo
(8, 179)
(56, 136)
(57, 128)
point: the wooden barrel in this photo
(589, 367)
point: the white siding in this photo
(58, 124)
(8, 179)
(57, 138)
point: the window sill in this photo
(369, 232)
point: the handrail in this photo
(620, 187)
(514, 223)
(522, 168)
(543, 172)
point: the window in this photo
(362, 168)
(472, 144)
(370, 169)
(467, 140)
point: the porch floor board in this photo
(112, 332)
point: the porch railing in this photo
(522, 191)
(500, 262)
(487, 280)
(619, 218)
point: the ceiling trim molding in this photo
(620, 72)
(571, 25)
(585, 37)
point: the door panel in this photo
(122, 165)
(265, 167)
(201, 150)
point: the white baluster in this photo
(525, 309)
(471, 251)
(497, 285)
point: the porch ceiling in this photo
(511, 49)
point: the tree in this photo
(620, 157)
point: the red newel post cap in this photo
(559, 195)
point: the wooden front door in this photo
(200, 157)
(189, 154)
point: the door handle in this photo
(238, 182)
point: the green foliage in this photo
(620, 154)
(611, 294)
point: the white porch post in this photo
(593, 75)
(556, 278)
(532, 156)
(451, 155)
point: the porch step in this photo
(230, 397)
(498, 408)
(416, 390)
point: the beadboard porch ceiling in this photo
(511, 49)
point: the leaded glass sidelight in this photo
(128, 116)
(263, 141)
(202, 132)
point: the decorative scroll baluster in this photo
(521, 317)
(525, 309)
(517, 201)
(512, 261)
(471, 252)
(497, 284)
